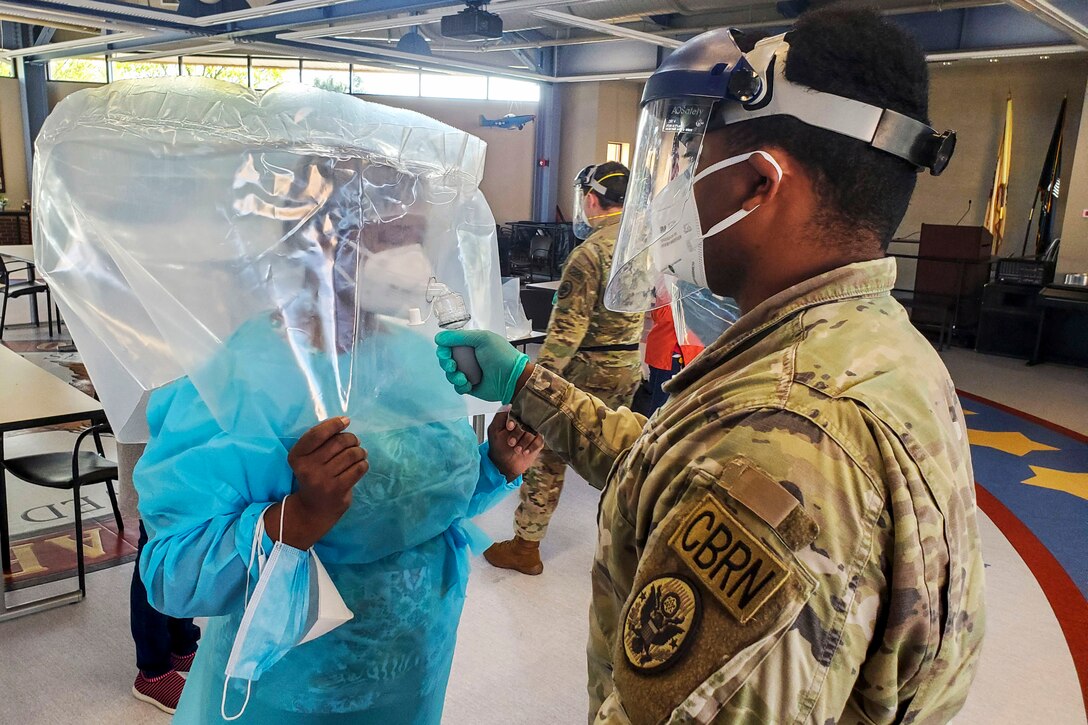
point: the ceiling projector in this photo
(472, 23)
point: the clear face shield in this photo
(661, 238)
(661, 221)
(582, 226)
(584, 184)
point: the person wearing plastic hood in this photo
(593, 347)
(792, 537)
(333, 569)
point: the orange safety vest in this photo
(661, 342)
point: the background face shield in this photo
(266, 246)
(582, 226)
(670, 137)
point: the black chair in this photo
(17, 289)
(71, 472)
(938, 308)
(539, 252)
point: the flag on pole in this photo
(1050, 184)
(996, 207)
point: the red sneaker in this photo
(163, 691)
(182, 664)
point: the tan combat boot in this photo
(517, 554)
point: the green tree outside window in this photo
(80, 70)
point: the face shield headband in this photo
(881, 128)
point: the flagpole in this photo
(1027, 232)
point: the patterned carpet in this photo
(1032, 481)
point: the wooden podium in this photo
(953, 266)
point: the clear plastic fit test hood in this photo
(259, 243)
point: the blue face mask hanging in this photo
(282, 613)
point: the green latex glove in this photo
(499, 361)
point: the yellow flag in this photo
(996, 207)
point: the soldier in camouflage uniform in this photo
(792, 538)
(594, 348)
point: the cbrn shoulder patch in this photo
(732, 563)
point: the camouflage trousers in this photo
(615, 386)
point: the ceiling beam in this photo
(1044, 12)
(21, 13)
(75, 45)
(405, 21)
(268, 11)
(202, 49)
(88, 11)
(606, 28)
(359, 50)
(285, 14)
(165, 16)
(984, 54)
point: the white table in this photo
(21, 252)
(553, 285)
(29, 398)
(535, 337)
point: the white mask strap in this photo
(733, 161)
(256, 553)
(729, 221)
(223, 704)
(725, 163)
(283, 507)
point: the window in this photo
(327, 76)
(385, 83)
(508, 89)
(268, 72)
(441, 85)
(224, 68)
(80, 70)
(157, 68)
(7, 69)
(620, 152)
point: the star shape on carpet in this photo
(1072, 483)
(1014, 443)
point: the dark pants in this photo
(657, 379)
(156, 636)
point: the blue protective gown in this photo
(399, 556)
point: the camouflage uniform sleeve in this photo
(576, 425)
(574, 304)
(762, 587)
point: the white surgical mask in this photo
(394, 280)
(677, 230)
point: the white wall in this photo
(508, 170)
(17, 190)
(1074, 251)
(594, 114)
